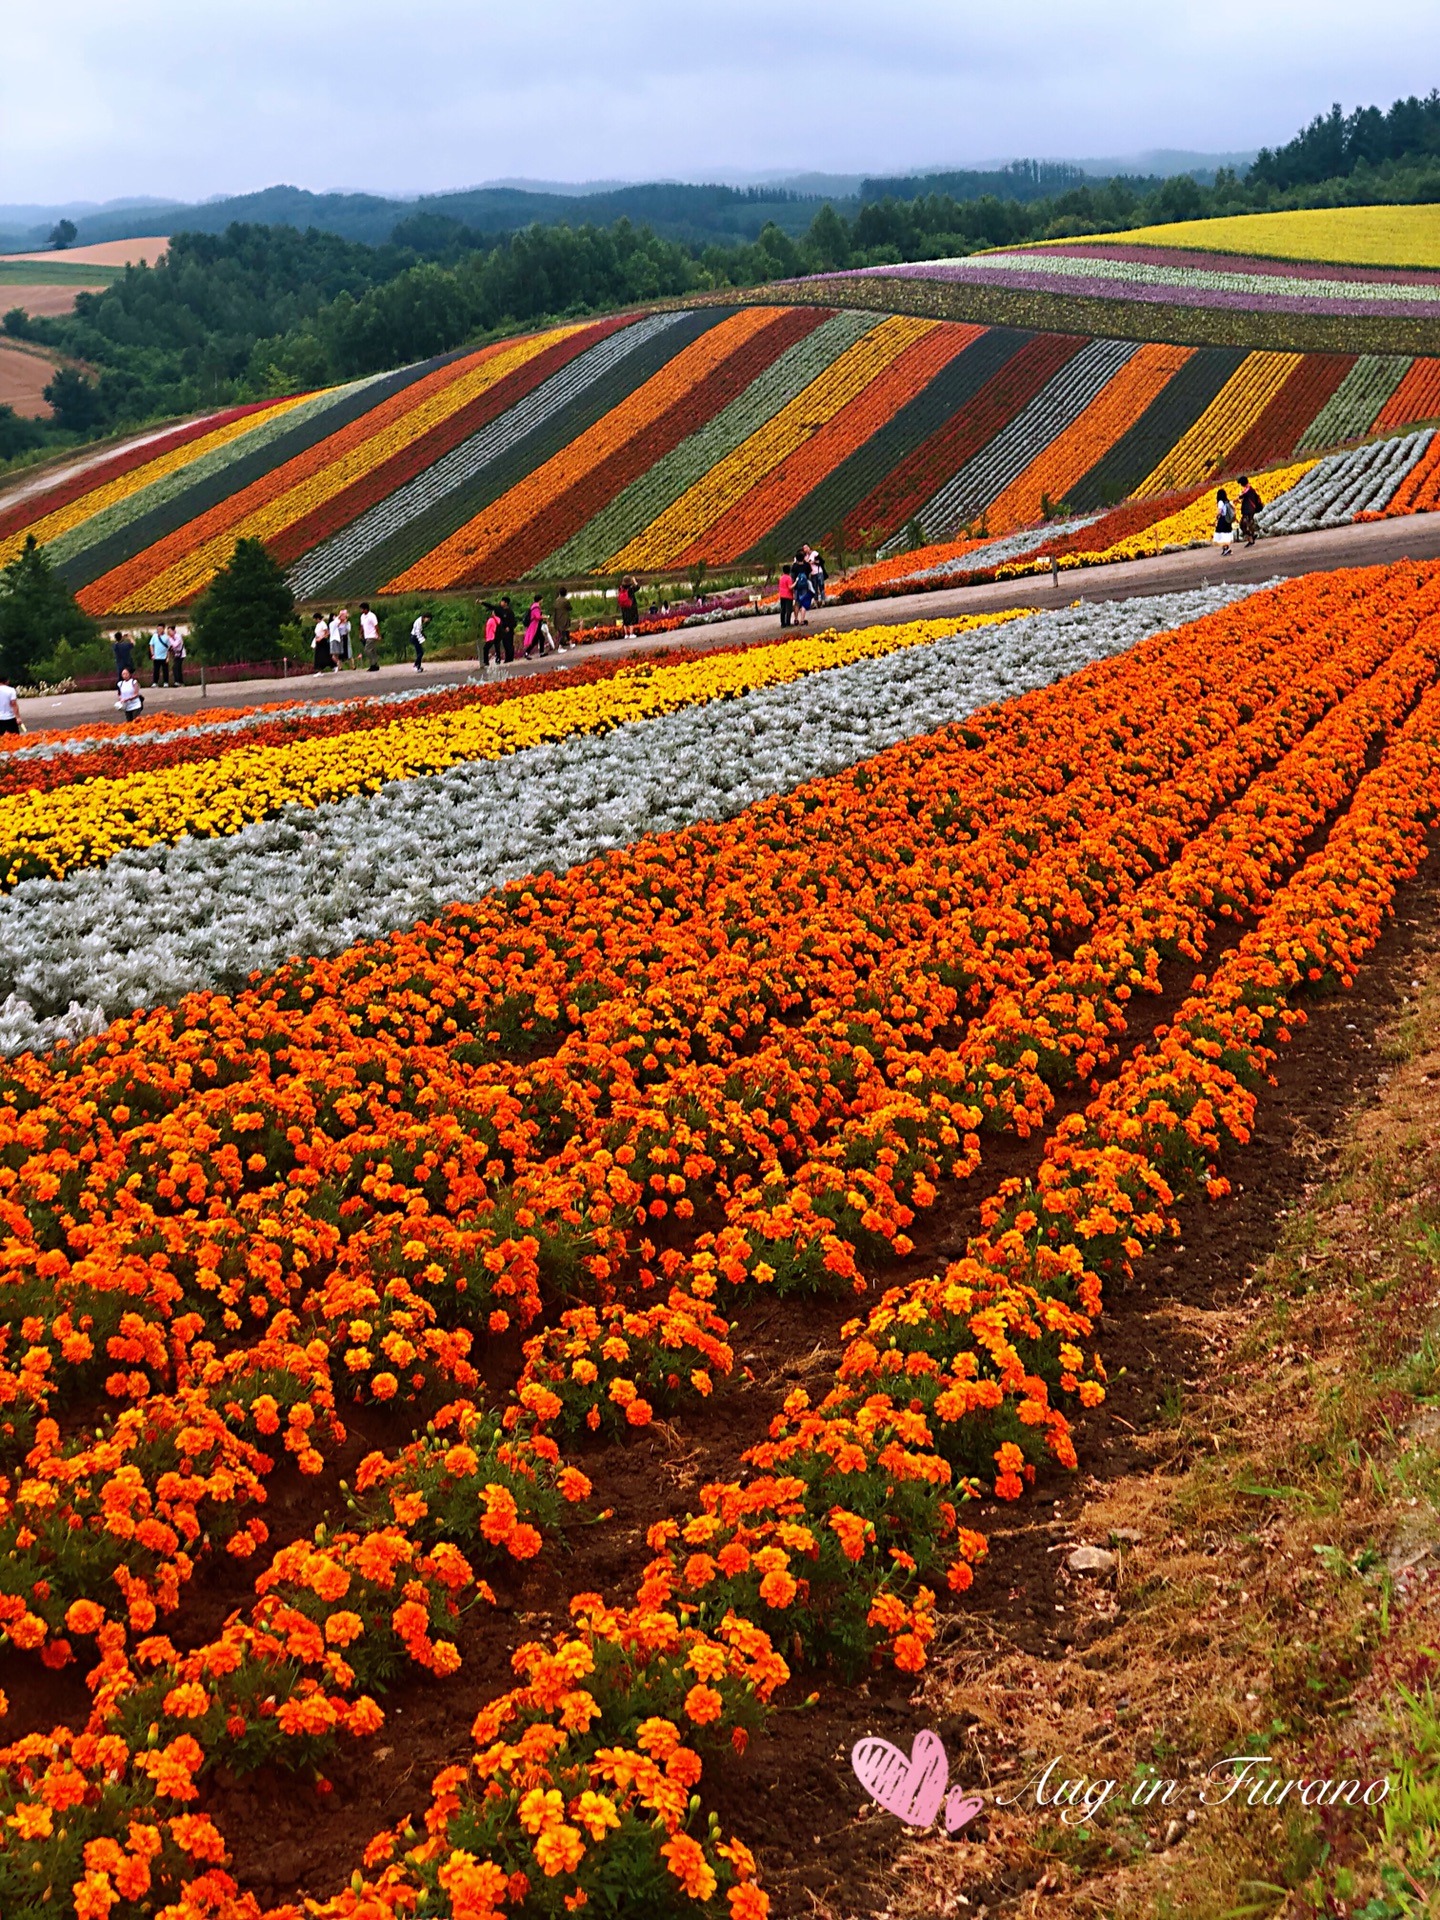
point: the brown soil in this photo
(41, 301)
(105, 253)
(25, 372)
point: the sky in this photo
(101, 99)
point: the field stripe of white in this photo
(464, 463)
(1142, 273)
(162, 921)
(1332, 493)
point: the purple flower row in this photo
(973, 273)
(1234, 263)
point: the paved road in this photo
(1377, 542)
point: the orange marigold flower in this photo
(703, 1704)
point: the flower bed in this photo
(742, 1056)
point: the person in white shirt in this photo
(130, 700)
(175, 640)
(342, 623)
(9, 707)
(322, 644)
(370, 634)
(417, 640)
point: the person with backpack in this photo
(1250, 505)
(130, 700)
(1224, 524)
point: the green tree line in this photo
(266, 310)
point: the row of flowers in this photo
(404, 525)
(529, 519)
(1106, 273)
(673, 534)
(173, 569)
(1357, 402)
(85, 824)
(992, 471)
(1348, 485)
(1175, 710)
(158, 923)
(50, 511)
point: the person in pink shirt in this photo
(533, 621)
(787, 596)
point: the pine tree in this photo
(249, 601)
(37, 612)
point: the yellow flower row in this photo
(51, 525)
(701, 505)
(54, 833)
(1197, 521)
(1224, 423)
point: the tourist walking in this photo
(342, 622)
(490, 646)
(175, 641)
(370, 635)
(123, 648)
(562, 620)
(787, 596)
(129, 698)
(159, 659)
(1250, 505)
(321, 644)
(817, 575)
(533, 623)
(9, 707)
(337, 645)
(507, 626)
(1224, 524)
(804, 592)
(417, 640)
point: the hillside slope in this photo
(655, 441)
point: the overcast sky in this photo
(104, 98)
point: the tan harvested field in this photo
(42, 301)
(24, 374)
(106, 253)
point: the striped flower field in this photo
(653, 442)
(516, 1285)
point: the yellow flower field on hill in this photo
(1349, 236)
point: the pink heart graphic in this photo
(961, 1809)
(912, 1788)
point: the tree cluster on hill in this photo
(261, 310)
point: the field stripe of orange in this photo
(1116, 407)
(770, 499)
(470, 547)
(1416, 398)
(299, 485)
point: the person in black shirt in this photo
(123, 647)
(1250, 505)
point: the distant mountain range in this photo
(723, 212)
